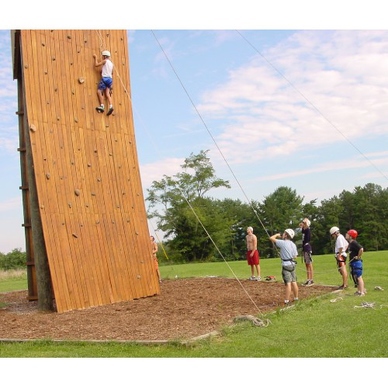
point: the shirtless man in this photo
(253, 257)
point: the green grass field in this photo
(331, 326)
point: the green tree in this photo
(329, 214)
(365, 209)
(184, 213)
(280, 210)
(240, 215)
(13, 260)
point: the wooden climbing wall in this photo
(86, 168)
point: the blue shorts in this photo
(356, 268)
(106, 82)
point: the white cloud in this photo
(326, 92)
(154, 171)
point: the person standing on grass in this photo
(104, 88)
(288, 255)
(307, 251)
(154, 246)
(355, 261)
(253, 257)
(341, 245)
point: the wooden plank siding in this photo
(86, 169)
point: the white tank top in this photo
(107, 69)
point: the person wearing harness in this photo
(355, 261)
(307, 251)
(105, 85)
(288, 255)
(341, 245)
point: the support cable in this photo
(312, 105)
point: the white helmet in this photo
(333, 230)
(105, 53)
(290, 232)
(307, 222)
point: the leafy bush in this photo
(13, 260)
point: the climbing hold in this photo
(32, 128)
(81, 80)
(77, 192)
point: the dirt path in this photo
(186, 308)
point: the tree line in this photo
(15, 259)
(199, 228)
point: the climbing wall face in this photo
(86, 169)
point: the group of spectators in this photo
(288, 252)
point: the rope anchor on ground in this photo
(255, 321)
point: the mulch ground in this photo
(185, 309)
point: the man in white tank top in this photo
(105, 85)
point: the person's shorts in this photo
(106, 82)
(341, 260)
(156, 263)
(307, 257)
(356, 268)
(255, 259)
(289, 274)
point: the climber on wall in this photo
(105, 85)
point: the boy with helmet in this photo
(105, 85)
(355, 261)
(341, 245)
(288, 255)
(307, 251)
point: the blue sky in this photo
(298, 107)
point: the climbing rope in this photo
(254, 320)
(369, 305)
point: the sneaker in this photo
(258, 278)
(286, 302)
(110, 111)
(252, 278)
(296, 299)
(342, 287)
(309, 283)
(358, 293)
(100, 109)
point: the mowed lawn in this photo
(335, 325)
